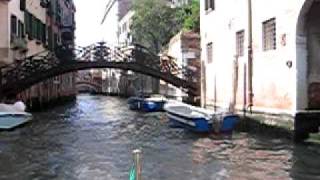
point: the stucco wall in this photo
(274, 80)
(123, 34)
(33, 6)
(4, 29)
(6, 10)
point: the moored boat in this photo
(199, 119)
(154, 103)
(10, 120)
(12, 116)
(135, 103)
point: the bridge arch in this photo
(31, 71)
(89, 85)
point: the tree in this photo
(191, 16)
(154, 23)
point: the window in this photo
(13, 26)
(50, 39)
(55, 40)
(44, 33)
(240, 43)
(38, 25)
(20, 29)
(209, 5)
(22, 5)
(58, 13)
(28, 24)
(269, 35)
(34, 27)
(209, 53)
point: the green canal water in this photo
(93, 139)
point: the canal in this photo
(93, 139)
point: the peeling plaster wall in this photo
(277, 74)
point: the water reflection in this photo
(93, 139)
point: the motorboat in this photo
(135, 103)
(13, 115)
(199, 119)
(154, 103)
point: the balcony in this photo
(18, 43)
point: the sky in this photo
(88, 19)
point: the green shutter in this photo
(33, 27)
(44, 34)
(30, 20)
(39, 31)
(22, 5)
(50, 40)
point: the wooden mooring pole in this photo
(137, 163)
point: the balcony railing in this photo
(18, 43)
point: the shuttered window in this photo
(269, 35)
(28, 24)
(44, 33)
(240, 43)
(39, 30)
(13, 26)
(34, 27)
(209, 5)
(209, 53)
(50, 39)
(22, 5)
(55, 40)
(20, 29)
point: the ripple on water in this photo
(93, 139)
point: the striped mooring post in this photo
(137, 163)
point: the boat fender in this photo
(19, 106)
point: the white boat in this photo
(154, 103)
(199, 119)
(13, 115)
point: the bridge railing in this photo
(136, 54)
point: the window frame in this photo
(209, 5)
(209, 49)
(269, 35)
(240, 40)
(13, 26)
(21, 30)
(22, 5)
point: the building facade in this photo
(185, 49)
(124, 33)
(13, 45)
(40, 27)
(282, 77)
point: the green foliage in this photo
(192, 16)
(154, 23)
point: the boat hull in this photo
(140, 104)
(199, 119)
(229, 123)
(200, 125)
(152, 106)
(10, 121)
(135, 103)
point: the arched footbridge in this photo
(21, 75)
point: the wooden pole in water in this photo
(137, 163)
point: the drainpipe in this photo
(250, 56)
